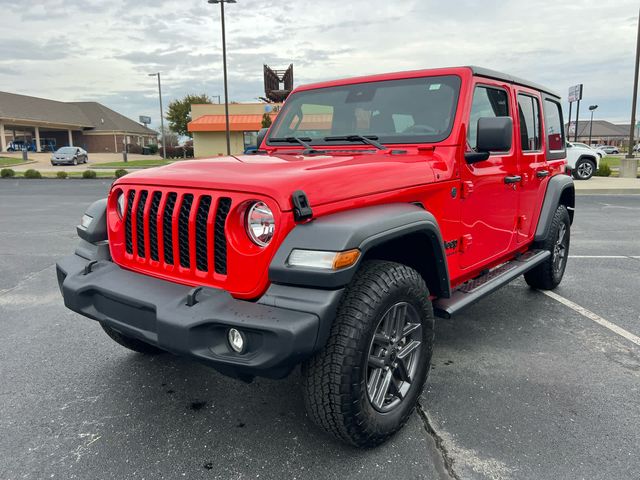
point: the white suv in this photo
(583, 161)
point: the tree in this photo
(266, 120)
(179, 112)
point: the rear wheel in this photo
(585, 168)
(130, 343)
(549, 273)
(365, 383)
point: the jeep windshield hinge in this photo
(301, 209)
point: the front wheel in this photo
(365, 383)
(549, 273)
(584, 170)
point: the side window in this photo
(487, 102)
(553, 126)
(529, 115)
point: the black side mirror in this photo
(261, 134)
(495, 134)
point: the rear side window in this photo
(553, 127)
(487, 102)
(529, 116)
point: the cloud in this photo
(103, 51)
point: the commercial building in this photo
(42, 124)
(208, 126)
(602, 132)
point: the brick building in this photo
(48, 124)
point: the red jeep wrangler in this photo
(371, 205)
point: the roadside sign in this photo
(572, 128)
(145, 120)
(575, 93)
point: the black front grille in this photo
(220, 240)
(127, 229)
(161, 208)
(153, 225)
(167, 228)
(202, 248)
(183, 230)
(140, 223)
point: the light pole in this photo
(164, 150)
(224, 69)
(629, 164)
(591, 109)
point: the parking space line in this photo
(594, 317)
(635, 257)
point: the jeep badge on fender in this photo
(325, 249)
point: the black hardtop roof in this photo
(488, 73)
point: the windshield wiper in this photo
(369, 139)
(308, 149)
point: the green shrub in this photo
(153, 149)
(31, 173)
(89, 174)
(121, 172)
(62, 175)
(603, 170)
(7, 173)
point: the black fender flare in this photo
(362, 228)
(560, 191)
(96, 230)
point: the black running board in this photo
(473, 290)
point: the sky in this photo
(99, 50)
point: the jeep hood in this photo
(324, 178)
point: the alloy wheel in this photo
(394, 355)
(560, 250)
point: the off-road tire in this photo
(335, 379)
(585, 169)
(130, 343)
(547, 275)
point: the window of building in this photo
(487, 102)
(529, 115)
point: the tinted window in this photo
(415, 110)
(529, 115)
(553, 126)
(487, 102)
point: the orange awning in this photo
(237, 123)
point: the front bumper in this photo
(287, 325)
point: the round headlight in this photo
(260, 224)
(120, 204)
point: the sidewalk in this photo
(608, 185)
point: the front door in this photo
(489, 188)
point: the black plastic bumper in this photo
(287, 325)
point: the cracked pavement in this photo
(521, 386)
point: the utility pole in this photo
(629, 165)
(164, 149)
(224, 69)
(591, 109)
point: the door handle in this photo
(542, 173)
(513, 179)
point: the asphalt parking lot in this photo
(523, 386)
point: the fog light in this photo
(236, 340)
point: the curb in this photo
(609, 191)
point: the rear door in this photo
(490, 187)
(533, 163)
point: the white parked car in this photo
(582, 160)
(599, 151)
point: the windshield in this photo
(67, 150)
(416, 110)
